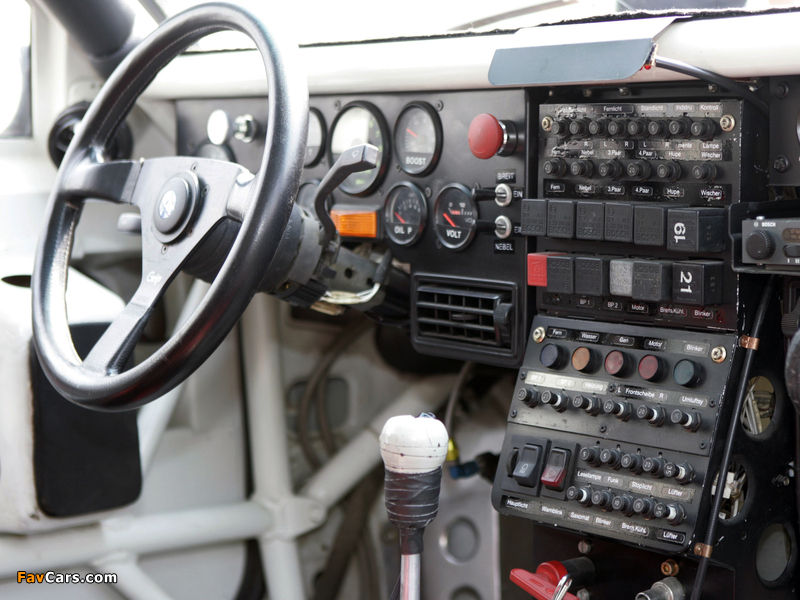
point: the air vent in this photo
(476, 317)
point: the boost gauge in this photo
(418, 138)
(455, 216)
(405, 213)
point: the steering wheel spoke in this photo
(114, 181)
(114, 348)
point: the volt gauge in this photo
(455, 216)
(418, 138)
(405, 213)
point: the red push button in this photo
(555, 471)
(485, 136)
(537, 268)
(651, 368)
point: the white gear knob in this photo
(413, 444)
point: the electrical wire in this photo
(741, 393)
(724, 82)
(316, 380)
(455, 395)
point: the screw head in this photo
(428, 192)
(539, 334)
(439, 105)
(719, 354)
(164, 249)
(547, 123)
(727, 123)
(513, 412)
(587, 93)
(702, 445)
(669, 568)
(781, 164)
(337, 105)
(713, 87)
(781, 90)
(623, 91)
(712, 403)
(603, 428)
(583, 594)
(523, 375)
(585, 546)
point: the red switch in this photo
(537, 268)
(542, 584)
(485, 136)
(555, 471)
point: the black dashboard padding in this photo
(84, 461)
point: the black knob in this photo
(580, 494)
(557, 400)
(590, 404)
(560, 127)
(705, 171)
(552, 356)
(632, 462)
(528, 396)
(623, 504)
(670, 171)
(660, 510)
(654, 466)
(680, 127)
(675, 514)
(582, 168)
(759, 245)
(621, 410)
(599, 127)
(611, 169)
(617, 128)
(579, 127)
(690, 421)
(555, 167)
(655, 416)
(638, 128)
(590, 455)
(639, 170)
(644, 507)
(611, 457)
(603, 499)
(683, 473)
(659, 128)
(686, 373)
(511, 461)
(703, 129)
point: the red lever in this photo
(542, 584)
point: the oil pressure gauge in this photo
(455, 216)
(405, 213)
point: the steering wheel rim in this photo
(263, 203)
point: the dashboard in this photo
(607, 243)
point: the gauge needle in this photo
(448, 219)
(400, 218)
(411, 132)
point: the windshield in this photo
(326, 21)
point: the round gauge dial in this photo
(215, 151)
(418, 138)
(405, 213)
(360, 123)
(315, 143)
(455, 216)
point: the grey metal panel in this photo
(569, 63)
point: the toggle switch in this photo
(526, 471)
(555, 470)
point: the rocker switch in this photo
(526, 471)
(555, 471)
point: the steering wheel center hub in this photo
(176, 203)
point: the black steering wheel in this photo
(182, 201)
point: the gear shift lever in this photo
(413, 451)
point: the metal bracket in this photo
(703, 550)
(748, 342)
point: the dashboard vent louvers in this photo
(464, 314)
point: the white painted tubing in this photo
(132, 581)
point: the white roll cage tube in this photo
(275, 514)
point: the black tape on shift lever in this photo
(412, 501)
